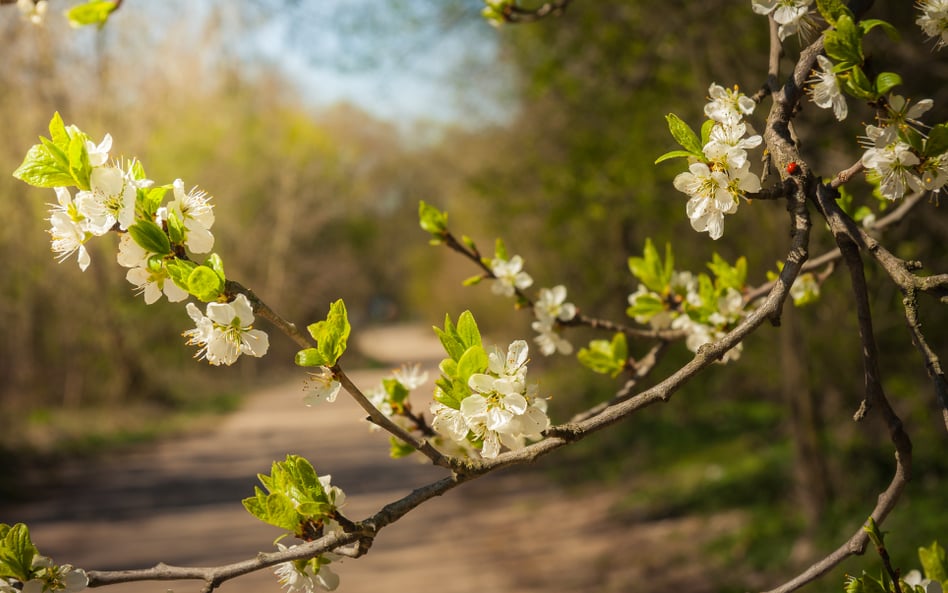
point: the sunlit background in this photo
(318, 127)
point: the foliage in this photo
(484, 413)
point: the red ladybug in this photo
(792, 167)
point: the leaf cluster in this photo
(331, 335)
(466, 357)
(295, 499)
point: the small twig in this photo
(383, 421)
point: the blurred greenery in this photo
(316, 204)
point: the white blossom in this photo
(510, 276)
(194, 210)
(710, 198)
(549, 340)
(501, 411)
(322, 386)
(149, 281)
(99, 154)
(411, 377)
(893, 165)
(226, 332)
(826, 92)
(298, 576)
(552, 305)
(934, 20)
(788, 14)
(68, 229)
(727, 105)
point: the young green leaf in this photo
(674, 154)
(45, 165)
(310, 357)
(684, 135)
(843, 44)
(473, 361)
(604, 356)
(205, 284)
(16, 553)
(332, 334)
(831, 10)
(933, 563)
(93, 12)
(937, 142)
(150, 237)
(431, 219)
(215, 262)
(886, 81)
(180, 270)
(467, 330)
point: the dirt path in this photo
(178, 502)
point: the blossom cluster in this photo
(705, 309)
(791, 16)
(934, 20)
(550, 308)
(501, 409)
(114, 195)
(48, 577)
(717, 180)
(308, 574)
(900, 156)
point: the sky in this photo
(400, 67)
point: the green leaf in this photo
(937, 141)
(604, 356)
(473, 361)
(205, 284)
(500, 249)
(886, 81)
(150, 237)
(933, 563)
(399, 448)
(45, 165)
(857, 84)
(310, 357)
(650, 270)
(281, 512)
(831, 10)
(57, 130)
(684, 135)
(473, 280)
(332, 334)
(176, 228)
(726, 275)
(450, 339)
(93, 12)
(79, 166)
(706, 128)
(870, 24)
(151, 199)
(215, 262)
(16, 553)
(431, 219)
(180, 270)
(646, 306)
(397, 392)
(467, 330)
(843, 44)
(674, 154)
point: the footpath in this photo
(178, 502)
